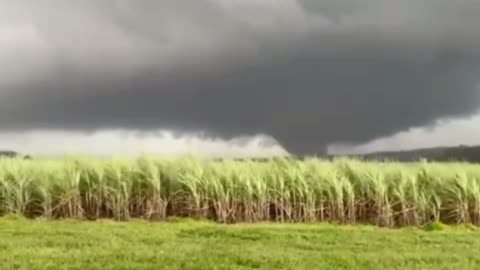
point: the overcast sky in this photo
(309, 73)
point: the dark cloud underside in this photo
(308, 73)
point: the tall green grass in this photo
(281, 190)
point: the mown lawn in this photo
(200, 245)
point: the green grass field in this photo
(273, 204)
(105, 244)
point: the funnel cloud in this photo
(310, 73)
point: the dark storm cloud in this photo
(308, 72)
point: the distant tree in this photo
(8, 154)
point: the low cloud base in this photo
(452, 132)
(134, 143)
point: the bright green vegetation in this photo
(138, 245)
(281, 190)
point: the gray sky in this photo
(310, 73)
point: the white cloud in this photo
(451, 132)
(132, 143)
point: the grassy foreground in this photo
(33, 244)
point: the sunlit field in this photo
(187, 245)
(240, 191)
(192, 213)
